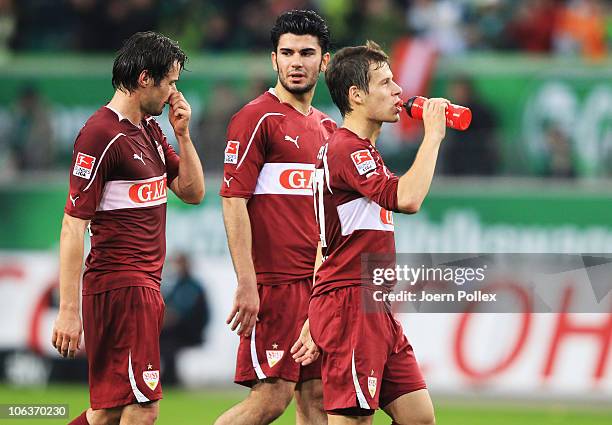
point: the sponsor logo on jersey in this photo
(363, 160)
(386, 217)
(139, 157)
(151, 378)
(293, 140)
(83, 166)
(231, 152)
(148, 192)
(274, 355)
(372, 382)
(296, 179)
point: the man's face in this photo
(154, 97)
(383, 102)
(298, 60)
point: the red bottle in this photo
(457, 117)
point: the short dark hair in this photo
(148, 51)
(301, 22)
(349, 67)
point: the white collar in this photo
(121, 117)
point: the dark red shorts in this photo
(367, 360)
(121, 329)
(283, 309)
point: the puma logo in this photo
(292, 140)
(136, 156)
(227, 181)
(73, 200)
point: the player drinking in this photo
(367, 362)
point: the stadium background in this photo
(531, 177)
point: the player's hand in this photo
(305, 351)
(66, 337)
(245, 309)
(179, 114)
(434, 118)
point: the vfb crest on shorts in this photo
(372, 381)
(83, 166)
(231, 152)
(151, 378)
(363, 160)
(274, 355)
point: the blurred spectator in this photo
(378, 20)
(7, 25)
(212, 124)
(439, 21)
(103, 25)
(560, 162)
(531, 28)
(185, 319)
(31, 135)
(474, 151)
(581, 29)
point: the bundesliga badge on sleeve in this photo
(363, 161)
(231, 152)
(83, 165)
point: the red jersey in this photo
(118, 180)
(269, 160)
(354, 196)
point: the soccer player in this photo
(367, 361)
(122, 165)
(272, 144)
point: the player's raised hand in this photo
(180, 114)
(434, 118)
(244, 312)
(66, 337)
(305, 351)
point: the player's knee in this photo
(310, 396)
(276, 406)
(149, 414)
(104, 417)
(427, 419)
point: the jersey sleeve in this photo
(172, 160)
(93, 160)
(244, 155)
(170, 157)
(362, 169)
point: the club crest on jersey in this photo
(231, 152)
(372, 382)
(274, 356)
(160, 151)
(363, 160)
(83, 165)
(151, 378)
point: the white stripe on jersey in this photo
(120, 194)
(101, 158)
(285, 178)
(246, 151)
(361, 214)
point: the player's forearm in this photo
(239, 239)
(414, 185)
(191, 185)
(71, 263)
